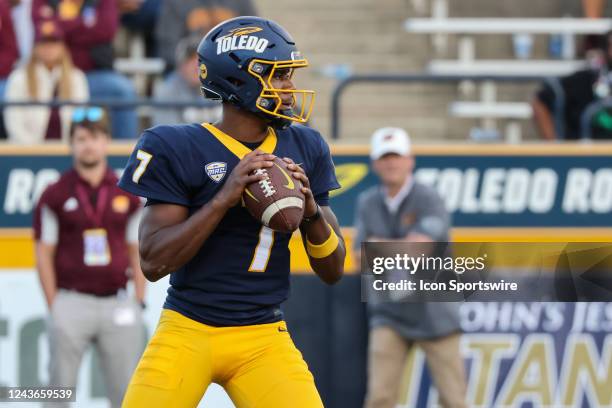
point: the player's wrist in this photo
(221, 201)
(312, 217)
(312, 213)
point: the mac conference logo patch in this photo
(216, 171)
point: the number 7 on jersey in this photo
(144, 158)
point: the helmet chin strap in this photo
(280, 123)
(276, 122)
(273, 121)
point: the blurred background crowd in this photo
(115, 51)
(549, 79)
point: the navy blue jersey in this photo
(240, 275)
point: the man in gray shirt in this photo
(403, 210)
(183, 85)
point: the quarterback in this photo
(221, 320)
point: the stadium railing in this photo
(488, 109)
(505, 67)
(352, 80)
(112, 103)
(145, 106)
(486, 25)
(466, 28)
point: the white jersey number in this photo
(262, 250)
(144, 158)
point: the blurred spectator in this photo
(593, 8)
(573, 95)
(140, 16)
(9, 52)
(183, 85)
(86, 232)
(404, 210)
(90, 27)
(24, 27)
(179, 18)
(48, 75)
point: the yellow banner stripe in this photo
(17, 250)
(535, 149)
(17, 246)
(531, 234)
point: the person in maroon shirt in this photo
(86, 248)
(90, 27)
(9, 52)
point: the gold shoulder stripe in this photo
(234, 146)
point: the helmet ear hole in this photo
(235, 81)
(233, 56)
(216, 34)
(210, 94)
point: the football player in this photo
(229, 274)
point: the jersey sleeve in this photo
(136, 204)
(45, 222)
(153, 171)
(323, 178)
(131, 229)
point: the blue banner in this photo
(484, 190)
(503, 191)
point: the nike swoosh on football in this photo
(290, 185)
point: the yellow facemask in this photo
(269, 100)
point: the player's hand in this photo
(310, 206)
(241, 176)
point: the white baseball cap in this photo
(389, 140)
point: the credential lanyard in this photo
(95, 216)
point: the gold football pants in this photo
(258, 365)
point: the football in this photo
(277, 201)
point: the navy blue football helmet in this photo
(238, 59)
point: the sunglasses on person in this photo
(93, 114)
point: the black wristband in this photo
(314, 217)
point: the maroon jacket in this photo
(63, 202)
(84, 28)
(9, 53)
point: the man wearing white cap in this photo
(404, 210)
